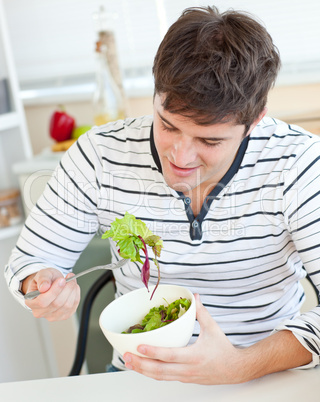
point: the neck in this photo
(198, 197)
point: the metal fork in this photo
(115, 265)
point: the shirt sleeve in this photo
(301, 205)
(64, 219)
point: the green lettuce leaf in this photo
(160, 316)
(132, 235)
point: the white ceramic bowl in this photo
(131, 308)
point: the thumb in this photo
(44, 286)
(44, 280)
(203, 316)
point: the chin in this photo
(180, 186)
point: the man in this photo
(233, 194)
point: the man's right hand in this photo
(58, 300)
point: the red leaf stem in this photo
(145, 272)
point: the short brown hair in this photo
(215, 67)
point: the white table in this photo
(292, 385)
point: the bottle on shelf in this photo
(108, 100)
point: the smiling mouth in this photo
(183, 172)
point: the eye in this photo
(166, 128)
(210, 143)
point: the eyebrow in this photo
(204, 138)
(166, 121)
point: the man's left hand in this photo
(212, 359)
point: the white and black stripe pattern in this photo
(256, 239)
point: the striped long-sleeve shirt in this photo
(256, 236)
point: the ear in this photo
(259, 118)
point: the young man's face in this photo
(193, 155)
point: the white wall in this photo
(55, 38)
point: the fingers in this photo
(65, 304)
(58, 301)
(53, 289)
(156, 369)
(162, 363)
(176, 355)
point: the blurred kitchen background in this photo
(52, 53)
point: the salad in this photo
(132, 235)
(160, 316)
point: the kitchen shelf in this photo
(9, 120)
(10, 231)
(15, 145)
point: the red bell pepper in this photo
(61, 126)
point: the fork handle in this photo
(35, 293)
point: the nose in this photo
(183, 152)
